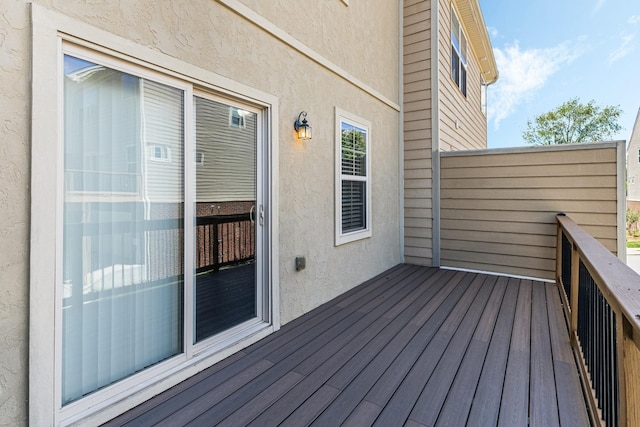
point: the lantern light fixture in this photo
(302, 127)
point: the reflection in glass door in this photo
(225, 217)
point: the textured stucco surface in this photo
(210, 36)
(361, 38)
(14, 210)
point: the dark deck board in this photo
(488, 394)
(460, 397)
(569, 391)
(415, 346)
(543, 406)
(514, 406)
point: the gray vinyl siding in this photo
(417, 133)
(228, 172)
(498, 210)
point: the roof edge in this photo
(473, 21)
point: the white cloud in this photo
(597, 7)
(626, 47)
(522, 73)
(493, 32)
(633, 19)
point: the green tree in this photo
(573, 122)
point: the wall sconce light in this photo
(302, 126)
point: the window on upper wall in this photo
(353, 178)
(458, 54)
(638, 155)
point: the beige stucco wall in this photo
(209, 35)
(499, 206)
(14, 210)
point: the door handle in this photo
(251, 211)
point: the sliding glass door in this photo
(161, 216)
(225, 216)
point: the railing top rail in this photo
(618, 282)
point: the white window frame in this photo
(342, 116)
(165, 153)
(462, 56)
(54, 34)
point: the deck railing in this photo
(601, 297)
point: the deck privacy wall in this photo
(499, 206)
(418, 181)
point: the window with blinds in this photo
(353, 178)
(458, 54)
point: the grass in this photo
(633, 244)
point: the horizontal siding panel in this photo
(423, 46)
(423, 222)
(417, 174)
(416, 6)
(420, 135)
(416, 16)
(423, 184)
(420, 96)
(417, 193)
(420, 115)
(410, 203)
(415, 24)
(532, 194)
(559, 171)
(570, 207)
(417, 242)
(418, 252)
(579, 156)
(418, 232)
(423, 65)
(416, 125)
(417, 164)
(524, 216)
(415, 38)
(497, 227)
(502, 237)
(417, 81)
(421, 147)
(510, 249)
(417, 213)
(532, 182)
(420, 104)
(419, 154)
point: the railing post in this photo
(631, 375)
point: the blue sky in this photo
(549, 51)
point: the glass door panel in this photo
(122, 255)
(225, 217)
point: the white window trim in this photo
(49, 31)
(340, 237)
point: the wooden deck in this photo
(413, 346)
